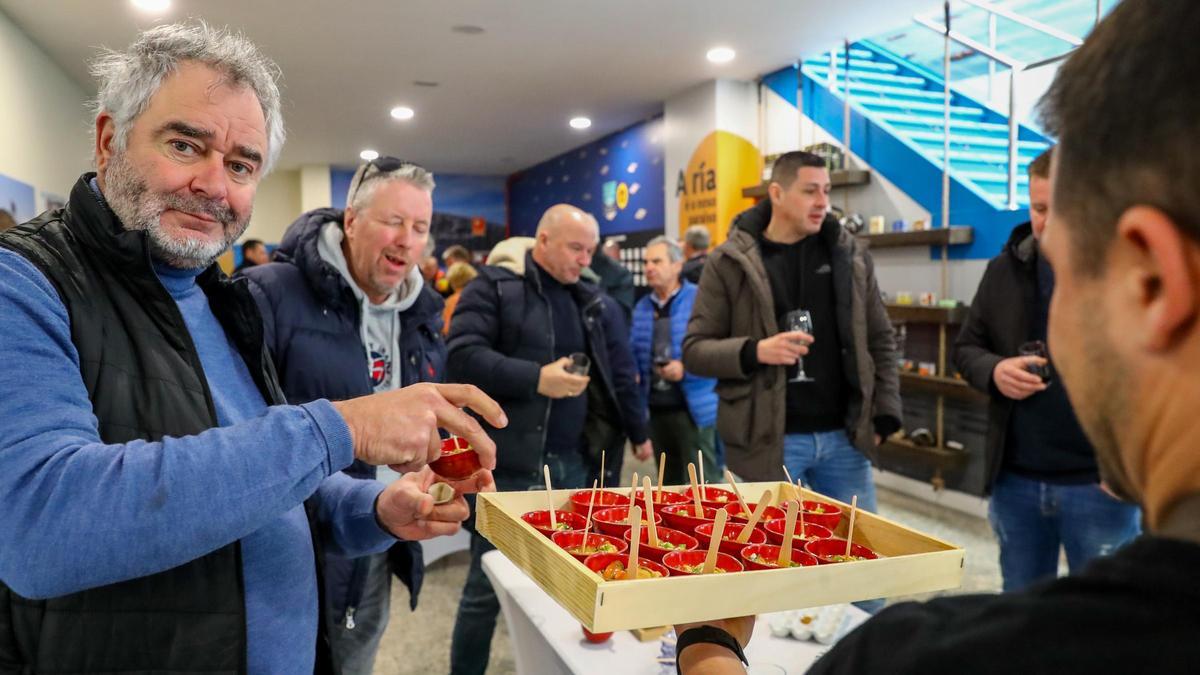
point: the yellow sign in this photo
(709, 190)
(622, 196)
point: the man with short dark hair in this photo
(254, 252)
(1041, 471)
(1123, 239)
(787, 255)
(456, 254)
(696, 241)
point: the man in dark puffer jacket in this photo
(347, 313)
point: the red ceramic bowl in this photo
(680, 516)
(770, 552)
(598, 561)
(604, 499)
(661, 498)
(570, 539)
(567, 521)
(675, 560)
(826, 549)
(704, 533)
(458, 461)
(822, 513)
(713, 497)
(614, 521)
(775, 528)
(666, 534)
(735, 513)
(596, 638)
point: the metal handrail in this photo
(1026, 21)
(972, 44)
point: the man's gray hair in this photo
(674, 251)
(129, 79)
(698, 237)
(362, 189)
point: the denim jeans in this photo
(827, 462)
(1032, 519)
(471, 642)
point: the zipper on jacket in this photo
(350, 617)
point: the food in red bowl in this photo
(668, 540)
(572, 542)
(713, 497)
(689, 563)
(565, 521)
(661, 498)
(735, 513)
(611, 566)
(604, 499)
(704, 533)
(766, 557)
(822, 513)
(458, 461)
(596, 638)
(614, 521)
(834, 551)
(774, 529)
(682, 517)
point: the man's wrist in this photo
(706, 642)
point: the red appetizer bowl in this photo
(614, 521)
(458, 461)
(598, 561)
(567, 521)
(661, 498)
(704, 533)
(735, 513)
(677, 560)
(812, 531)
(682, 518)
(596, 638)
(571, 539)
(766, 554)
(713, 497)
(604, 499)
(831, 550)
(665, 534)
(822, 513)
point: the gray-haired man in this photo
(157, 513)
(696, 241)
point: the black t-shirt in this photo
(564, 429)
(801, 276)
(1133, 612)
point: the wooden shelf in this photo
(923, 314)
(941, 386)
(952, 236)
(841, 178)
(941, 457)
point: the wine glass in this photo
(1037, 348)
(580, 364)
(799, 320)
(662, 356)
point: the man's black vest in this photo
(145, 381)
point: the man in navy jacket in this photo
(347, 313)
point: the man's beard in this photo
(138, 208)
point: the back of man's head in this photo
(787, 166)
(697, 238)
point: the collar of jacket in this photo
(1022, 245)
(300, 248)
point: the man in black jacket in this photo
(347, 313)
(1124, 241)
(1042, 475)
(512, 334)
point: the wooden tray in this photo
(913, 563)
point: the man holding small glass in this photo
(1041, 470)
(790, 321)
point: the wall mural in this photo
(16, 200)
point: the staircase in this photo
(906, 101)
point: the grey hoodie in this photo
(379, 325)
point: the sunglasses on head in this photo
(381, 165)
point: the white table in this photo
(547, 640)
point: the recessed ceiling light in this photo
(368, 155)
(152, 5)
(402, 112)
(721, 54)
(467, 29)
(580, 123)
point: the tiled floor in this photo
(420, 642)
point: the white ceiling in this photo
(505, 95)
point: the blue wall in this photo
(589, 177)
(463, 195)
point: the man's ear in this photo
(1157, 271)
(106, 134)
(774, 192)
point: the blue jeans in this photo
(1032, 519)
(827, 462)
(471, 642)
